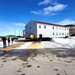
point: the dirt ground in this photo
(38, 62)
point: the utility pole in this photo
(14, 32)
(19, 32)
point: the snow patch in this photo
(24, 46)
(1, 43)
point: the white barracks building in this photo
(43, 29)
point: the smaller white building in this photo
(43, 29)
(24, 33)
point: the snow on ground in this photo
(60, 43)
(61, 40)
(48, 44)
(73, 37)
(21, 38)
(1, 43)
(54, 43)
(24, 46)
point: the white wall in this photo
(29, 31)
(48, 32)
(45, 32)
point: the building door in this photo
(40, 35)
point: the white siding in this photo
(30, 29)
(58, 31)
(46, 32)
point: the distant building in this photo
(71, 29)
(24, 33)
(43, 29)
(0, 38)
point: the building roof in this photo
(48, 23)
(69, 25)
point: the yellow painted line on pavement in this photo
(35, 45)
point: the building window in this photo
(39, 26)
(30, 27)
(62, 33)
(67, 33)
(56, 27)
(56, 33)
(44, 26)
(53, 27)
(60, 28)
(59, 33)
(53, 33)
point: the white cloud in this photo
(53, 2)
(66, 22)
(51, 10)
(35, 12)
(18, 24)
(55, 8)
(45, 2)
(8, 28)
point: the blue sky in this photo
(15, 14)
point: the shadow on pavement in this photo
(23, 54)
